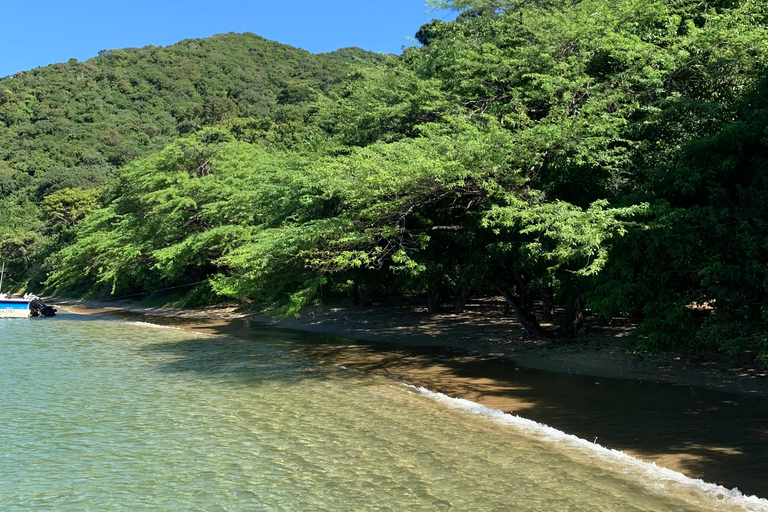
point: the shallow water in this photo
(716, 436)
(111, 415)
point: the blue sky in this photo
(37, 33)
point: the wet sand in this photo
(704, 417)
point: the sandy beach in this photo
(701, 414)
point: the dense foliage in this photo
(598, 155)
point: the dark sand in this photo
(704, 415)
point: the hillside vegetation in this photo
(592, 156)
(72, 125)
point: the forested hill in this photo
(600, 157)
(71, 124)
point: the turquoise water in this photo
(104, 415)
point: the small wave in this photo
(658, 478)
(171, 327)
(353, 370)
(149, 324)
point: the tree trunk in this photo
(460, 298)
(433, 301)
(574, 318)
(547, 301)
(356, 293)
(526, 316)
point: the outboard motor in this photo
(37, 308)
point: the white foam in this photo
(159, 326)
(656, 479)
(342, 367)
(149, 324)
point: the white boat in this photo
(22, 307)
(14, 307)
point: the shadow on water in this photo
(232, 358)
(718, 437)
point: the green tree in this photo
(68, 205)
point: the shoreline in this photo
(706, 421)
(482, 330)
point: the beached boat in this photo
(14, 307)
(22, 307)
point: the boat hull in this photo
(10, 308)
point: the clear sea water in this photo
(108, 415)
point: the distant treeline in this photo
(608, 156)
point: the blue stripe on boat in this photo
(14, 305)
